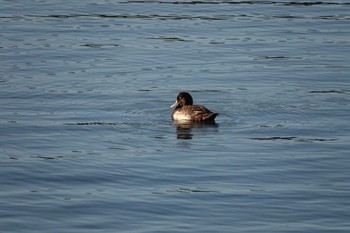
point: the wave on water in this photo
(91, 123)
(292, 138)
(287, 3)
(183, 16)
(330, 91)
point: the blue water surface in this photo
(87, 143)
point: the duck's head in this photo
(182, 99)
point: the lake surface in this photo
(87, 143)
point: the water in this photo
(87, 143)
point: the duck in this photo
(184, 110)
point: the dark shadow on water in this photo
(184, 129)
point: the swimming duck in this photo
(184, 110)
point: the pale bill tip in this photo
(174, 105)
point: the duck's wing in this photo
(201, 113)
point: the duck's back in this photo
(193, 113)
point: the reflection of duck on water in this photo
(184, 110)
(184, 128)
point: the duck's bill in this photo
(174, 105)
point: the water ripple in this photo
(291, 3)
(213, 17)
(338, 91)
(292, 138)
